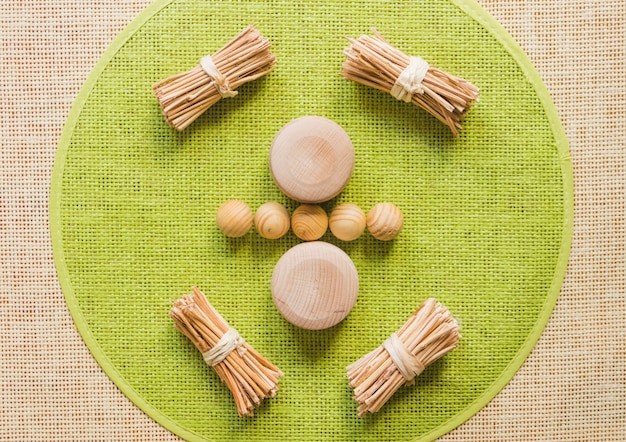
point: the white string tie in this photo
(409, 82)
(231, 340)
(221, 82)
(408, 365)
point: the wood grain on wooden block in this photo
(311, 159)
(315, 285)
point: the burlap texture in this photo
(572, 387)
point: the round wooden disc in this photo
(315, 285)
(311, 159)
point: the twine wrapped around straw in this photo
(374, 62)
(426, 336)
(184, 97)
(249, 376)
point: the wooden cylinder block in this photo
(315, 285)
(311, 159)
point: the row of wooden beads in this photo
(309, 222)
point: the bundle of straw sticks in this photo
(426, 336)
(184, 97)
(249, 376)
(374, 62)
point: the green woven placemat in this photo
(487, 231)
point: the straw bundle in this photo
(249, 376)
(184, 97)
(426, 336)
(374, 62)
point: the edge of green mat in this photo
(472, 9)
(479, 14)
(56, 233)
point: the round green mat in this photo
(487, 232)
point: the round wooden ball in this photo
(234, 218)
(309, 222)
(315, 285)
(347, 222)
(272, 220)
(311, 159)
(384, 221)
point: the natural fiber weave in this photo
(570, 388)
(487, 219)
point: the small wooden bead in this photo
(384, 221)
(309, 222)
(234, 218)
(271, 220)
(347, 222)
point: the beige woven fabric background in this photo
(572, 387)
